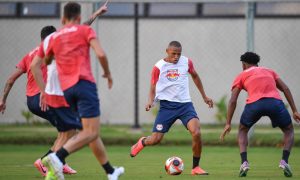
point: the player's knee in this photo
(195, 133)
(156, 139)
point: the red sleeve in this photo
(90, 33)
(237, 83)
(275, 75)
(155, 75)
(191, 66)
(41, 52)
(22, 64)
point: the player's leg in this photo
(281, 117)
(193, 126)
(99, 151)
(288, 143)
(165, 118)
(251, 114)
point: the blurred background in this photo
(135, 34)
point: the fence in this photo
(135, 34)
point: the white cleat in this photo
(115, 175)
(55, 167)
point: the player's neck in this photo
(71, 22)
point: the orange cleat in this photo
(40, 167)
(198, 171)
(68, 170)
(135, 149)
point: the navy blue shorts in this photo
(169, 112)
(63, 118)
(271, 107)
(83, 98)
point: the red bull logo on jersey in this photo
(172, 74)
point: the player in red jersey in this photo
(70, 46)
(58, 117)
(262, 86)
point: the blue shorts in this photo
(271, 107)
(62, 118)
(83, 98)
(169, 112)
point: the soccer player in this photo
(70, 46)
(59, 115)
(262, 86)
(65, 131)
(170, 86)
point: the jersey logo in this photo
(172, 74)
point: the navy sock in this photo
(196, 161)
(285, 155)
(49, 152)
(143, 142)
(244, 157)
(108, 168)
(62, 153)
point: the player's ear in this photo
(63, 20)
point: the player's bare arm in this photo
(151, 97)
(230, 111)
(38, 77)
(99, 12)
(8, 85)
(288, 95)
(103, 60)
(200, 87)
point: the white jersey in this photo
(52, 86)
(172, 82)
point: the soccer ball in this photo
(174, 166)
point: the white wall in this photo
(215, 46)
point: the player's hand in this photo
(209, 102)
(43, 104)
(2, 107)
(148, 106)
(296, 116)
(103, 9)
(109, 80)
(226, 130)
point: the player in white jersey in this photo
(170, 86)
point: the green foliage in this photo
(221, 113)
(29, 117)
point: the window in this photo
(223, 9)
(172, 9)
(124, 9)
(278, 9)
(8, 9)
(34, 9)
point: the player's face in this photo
(174, 54)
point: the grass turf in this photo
(221, 162)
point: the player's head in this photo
(250, 59)
(47, 30)
(72, 11)
(174, 51)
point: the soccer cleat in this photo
(117, 172)
(136, 148)
(287, 170)
(40, 167)
(55, 167)
(244, 169)
(68, 170)
(198, 171)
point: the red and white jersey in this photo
(54, 94)
(259, 82)
(71, 48)
(31, 87)
(172, 82)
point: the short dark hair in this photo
(47, 30)
(250, 58)
(175, 44)
(72, 10)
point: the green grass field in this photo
(16, 162)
